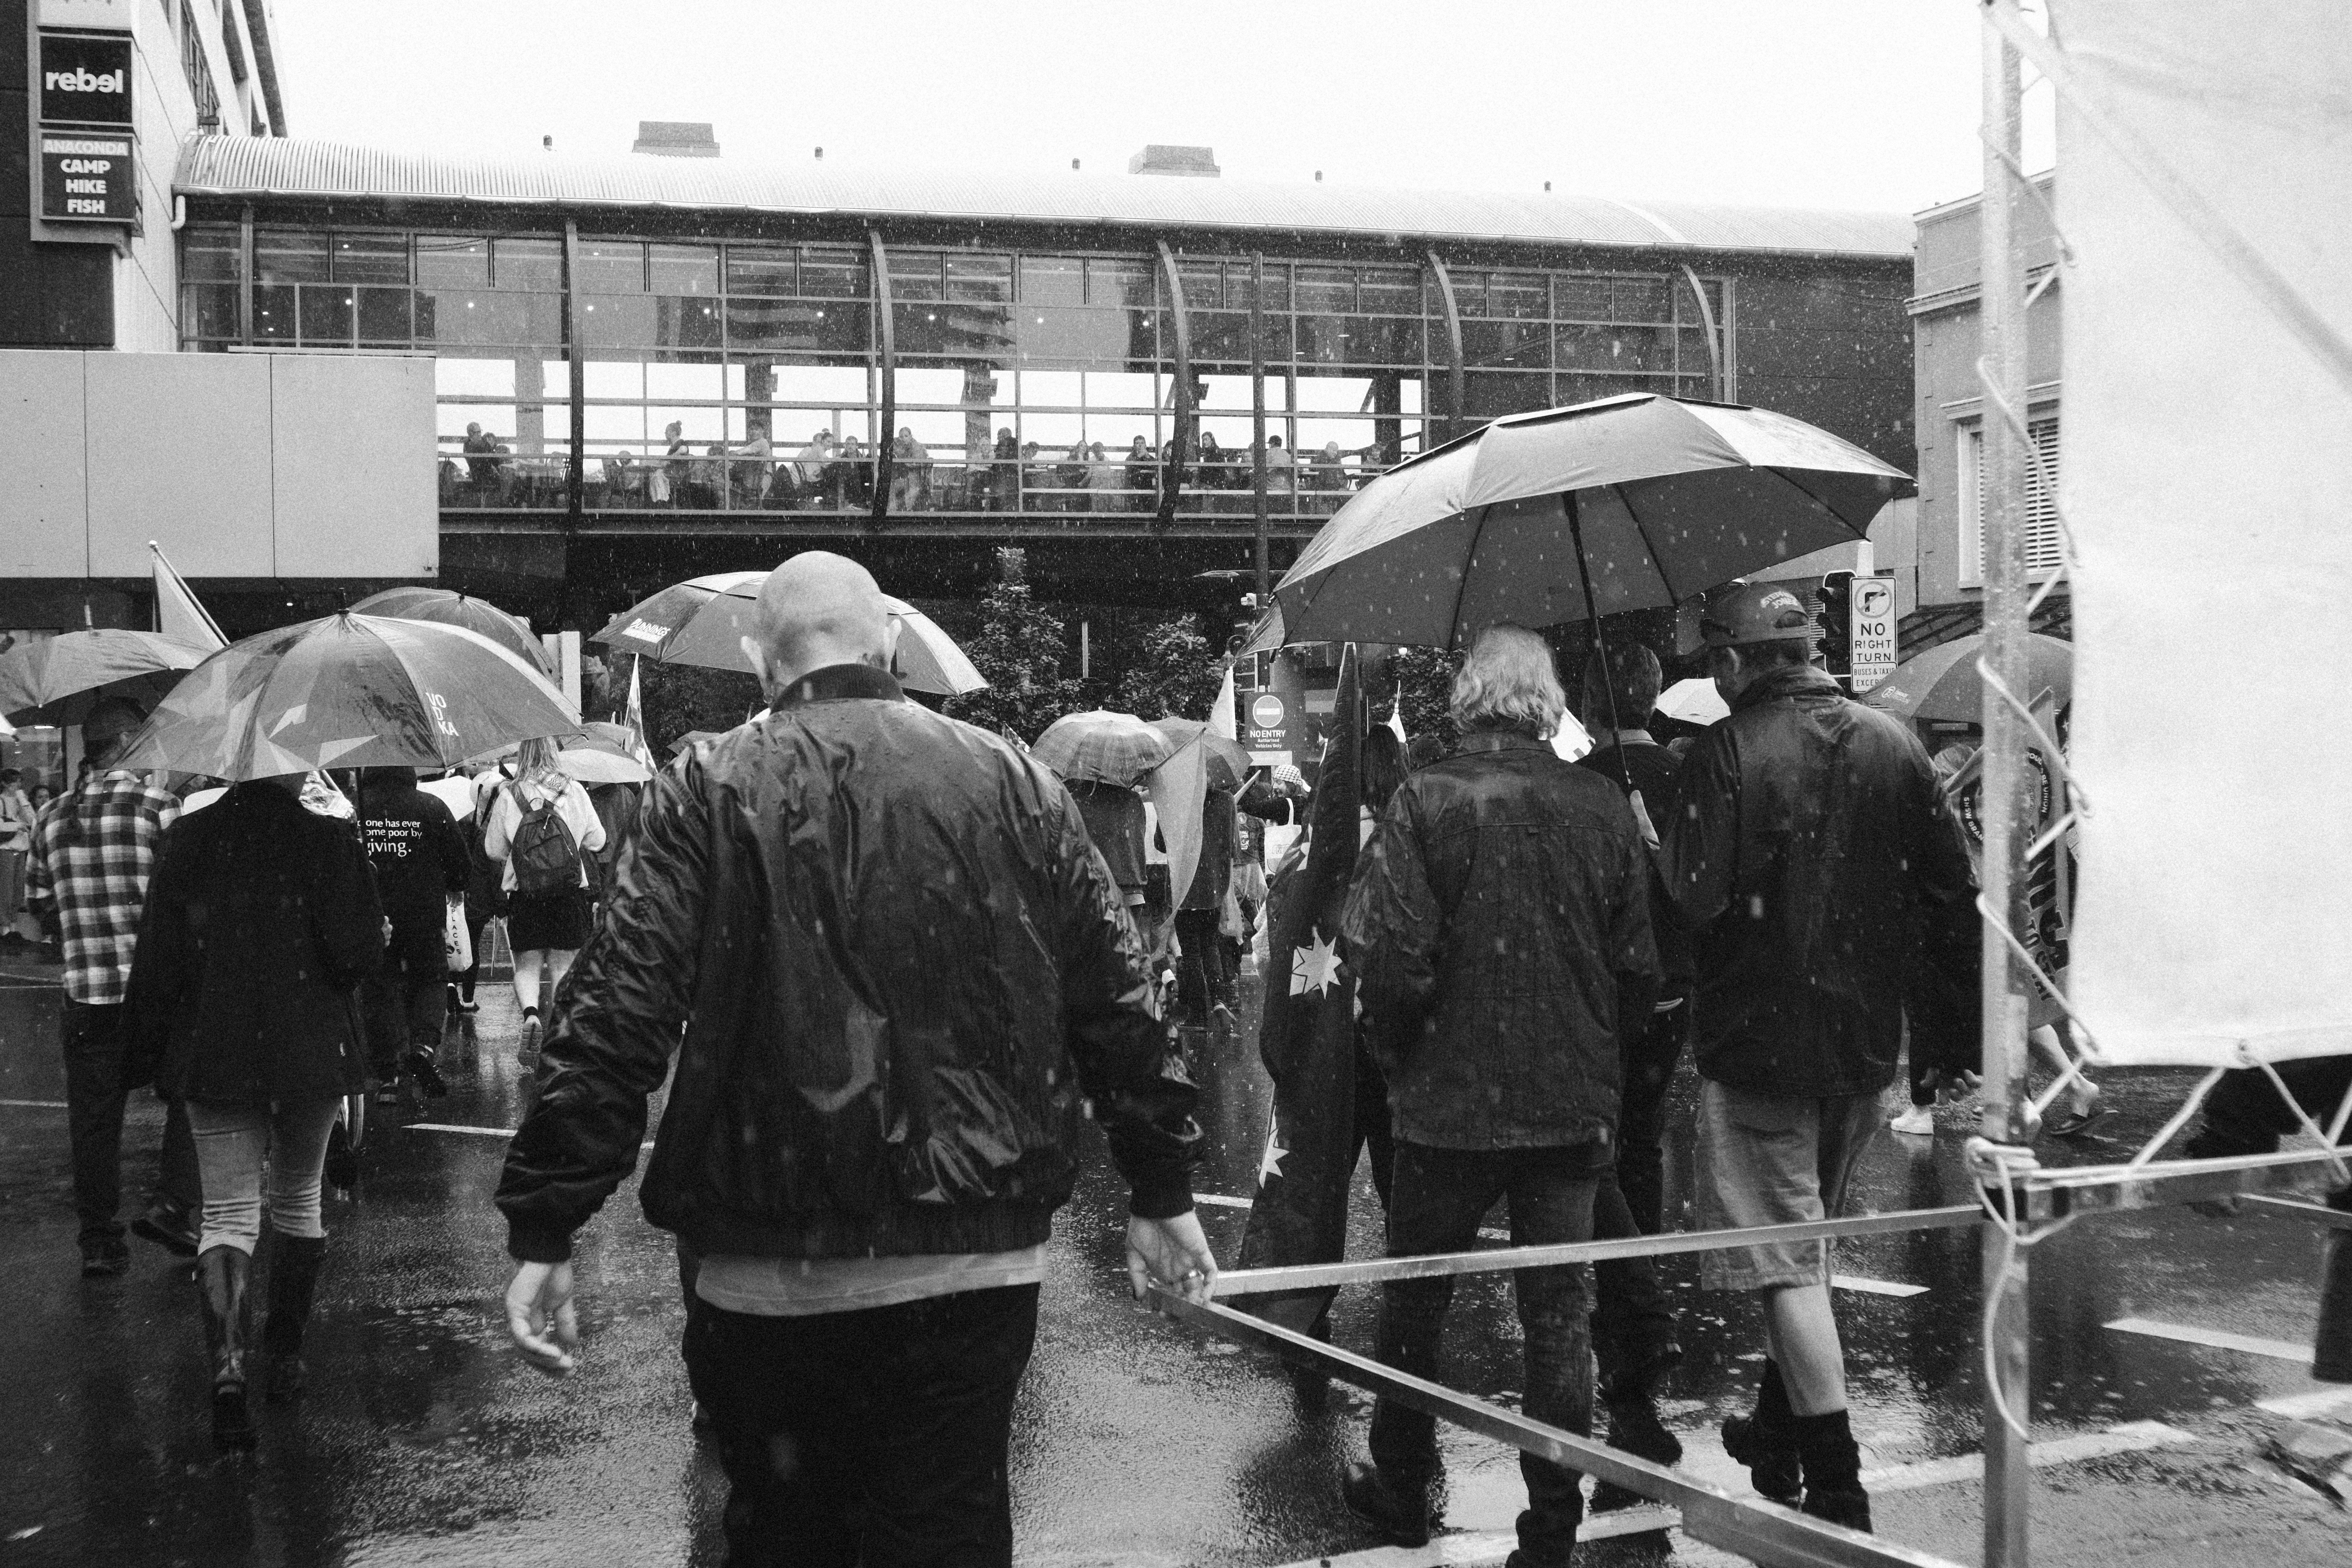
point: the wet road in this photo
(423, 1441)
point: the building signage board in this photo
(1872, 637)
(85, 79)
(87, 178)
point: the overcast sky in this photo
(1825, 103)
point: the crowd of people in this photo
(839, 473)
(867, 1136)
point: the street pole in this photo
(2006, 987)
(1257, 424)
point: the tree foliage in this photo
(1424, 676)
(1177, 673)
(1021, 651)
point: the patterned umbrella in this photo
(702, 621)
(349, 692)
(450, 609)
(57, 681)
(1228, 763)
(1113, 748)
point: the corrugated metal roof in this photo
(295, 166)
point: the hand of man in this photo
(1171, 1252)
(539, 1315)
(1642, 820)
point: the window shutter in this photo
(2043, 552)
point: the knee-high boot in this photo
(221, 1276)
(2331, 1349)
(294, 1263)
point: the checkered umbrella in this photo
(349, 692)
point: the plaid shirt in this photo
(93, 851)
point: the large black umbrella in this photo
(1633, 502)
(349, 692)
(453, 609)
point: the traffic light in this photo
(1837, 624)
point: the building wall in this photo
(92, 295)
(1946, 401)
(246, 469)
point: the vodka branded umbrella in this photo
(1111, 748)
(349, 692)
(451, 609)
(1631, 502)
(1944, 682)
(59, 680)
(702, 621)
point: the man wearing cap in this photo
(1807, 850)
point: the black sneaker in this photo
(1403, 1515)
(426, 1073)
(104, 1257)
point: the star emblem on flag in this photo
(1270, 1164)
(1315, 967)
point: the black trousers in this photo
(1436, 1200)
(92, 1038)
(477, 920)
(407, 1000)
(1631, 1320)
(869, 1439)
(2245, 1115)
(1201, 971)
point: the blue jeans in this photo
(235, 1142)
(1436, 1199)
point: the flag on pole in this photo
(1223, 719)
(1307, 1037)
(1396, 715)
(178, 614)
(634, 716)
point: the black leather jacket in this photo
(1810, 854)
(1499, 924)
(899, 964)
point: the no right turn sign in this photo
(1874, 634)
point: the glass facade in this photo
(745, 378)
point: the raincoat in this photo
(1499, 925)
(1812, 857)
(261, 919)
(899, 964)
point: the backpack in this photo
(545, 859)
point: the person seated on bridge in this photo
(859, 1324)
(486, 464)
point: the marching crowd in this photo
(889, 965)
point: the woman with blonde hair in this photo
(538, 826)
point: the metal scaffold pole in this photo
(2006, 985)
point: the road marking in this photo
(2218, 1339)
(2317, 1406)
(1875, 1287)
(1221, 1200)
(479, 1131)
(36, 1104)
(1468, 1548)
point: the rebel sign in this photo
(85, 81)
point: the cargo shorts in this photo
(1774, 1159)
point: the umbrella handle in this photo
(1592, 614)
